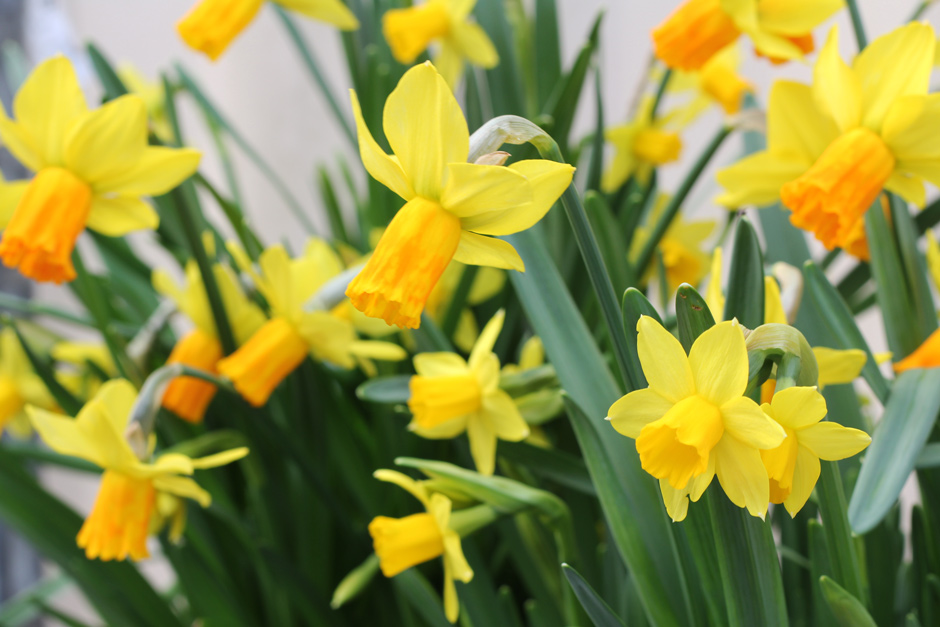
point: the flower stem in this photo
(857, 24)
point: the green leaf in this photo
(843, 557)
(636, 305)
(745, 299)
(65, 399)
(692, 315)
(848, 611)
(413, 587)
(112, 84)
(547, 49)
(23, 608)
(563, 468)
(392, 389)
(596, 608)
(905, 426)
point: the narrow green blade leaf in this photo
(848, 611)
(393, 389)
(746, 281)
(692, 315)
(636, 305)
(596, 608)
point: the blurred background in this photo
(261, 87)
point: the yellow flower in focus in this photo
(681, 247)
(283, 342)
(410, 31)
(716, 82)
(189, 397)
(450, 396)
(698, 29)
(793, 466)
(118, 525)
(640, 146)
(834, 146)
(487, 283)
(452, 206)
(19, 386)
(91, 168)
(401, 543)
(693, 422)
(154, 98)
(211, 25)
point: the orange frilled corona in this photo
(409, 31)
(409, 259)
(259, 366)
(188, 397)
(45, 225)
(118, 525)
(693, 33)
(927, 355)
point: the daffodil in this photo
(154, 97)
(838, 366)
(88, 365)
(283, 342)
(693, 421)
(681, 246)
(698, 29)
(640, 146)
(188, 397)
(450, 395)
(834, 146)
(411, 30)
(119, 522)
(487, 283)
(793, 466)
(401, 543)
(211, 25)
(716, 82)
(92, 167)
(19, 385)
(452, 206)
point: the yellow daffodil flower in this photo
(838, 366)
(118, 525)
(450, 396)
(19, 386)
(793, 466)
(154, 98)
(91, 168)
(693, 422)
(640, 146)
(90, 365)
(401, 543)
(188, 397)
(834, 146)
(283, 342)
(169, 512)
(698, 29)
(211, 25)
(716, 82)
(681, 246)
(452, 206)
(487, 284)
(410, 31)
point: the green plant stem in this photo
(458, 301)
(857, 24)
(594, 262)
(919, 11)
(661, 91)
(21, 305)
(669, 213)
(310, 62)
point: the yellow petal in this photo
(472, 42)
(719, 363)
(475, 190)
(183, 487)
(482, 445)
(439, 364)
(774, 46)
(157, 171)
(449, 62)
(676, 501)
(10, 195)
(61, 433)
(330, 11)
(742, 475)
(479, 250)
(487, 340)
(120, 215)
(548, 179)
(444, 431)
(664, 362)
(425, 128)
(20, 144)
(796, 17)
(455, 567)
(383, 351)
(504, 417)
(835, 87)
(46, 107)
(380, 165)
(714, 297)
(105, 141)
(403, 481)
(894, 65)
(908, 185)
(756, 180)
(773, 305)
(838, 366)
(796, 127)
(798, 407)
(220, 459)
(832, 441)
(744, 419)
(117, 397)
(805, 476)
(912, 128)
(636, 410)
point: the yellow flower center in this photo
(435, 400)
(780, 464)
(258, 367)
(724, 85)
(831, 198)
(188, 397)
(211, 25)
(118, 524)
(654, 146)
(682, 265)
(402, 543)
(676, 447)
(411, 256)
(41, 234)
(11, 403)
(693, 33)
(409, 31)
